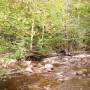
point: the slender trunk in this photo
(78, 17)
(32, 35)
(43, 30)
(67, 22)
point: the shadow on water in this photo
(39, 82)
(76, 84)
(26, 82)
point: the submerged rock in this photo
(82, 72)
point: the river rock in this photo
(48, 67)
(82, 72)
(29, 69)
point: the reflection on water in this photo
(76, 84)
(39, 82)
(25, 82)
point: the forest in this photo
(44, 35)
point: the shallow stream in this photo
(52, 80)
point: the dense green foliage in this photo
(44, 25)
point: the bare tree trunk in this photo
(69, 45)
(78, 17)
(43, 30)
(32, 35)
(66, 25)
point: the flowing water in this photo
(44, 81)
(39, 82)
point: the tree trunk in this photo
(43, 30)
(32, 35)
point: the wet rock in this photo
(38, 70)
(51, 60)
(65, 58)
(10, 64)
(60, 80)
(67, 78)
(56, 64)
(1, 62)
(80, 56)
(79, 73)
(17, 64)
(82, 72)
(60, 77)
(29, 69)
(47, 87)
(27, 63)
(48, 67)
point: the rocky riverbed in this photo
(68, 73)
